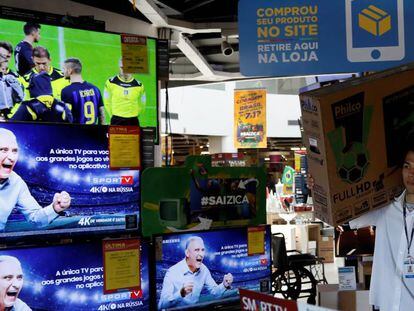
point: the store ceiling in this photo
(198, 30)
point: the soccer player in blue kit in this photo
(84, 98)
(23, 53)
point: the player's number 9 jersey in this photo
(85, 100)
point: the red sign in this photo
(136, 294)
(253, 301)
(127, 180)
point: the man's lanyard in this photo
(410, 241)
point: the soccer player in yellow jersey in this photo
(42, 60)
(124, 98)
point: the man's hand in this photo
(187, 289)
(61, 201)
(227, 280)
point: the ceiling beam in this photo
(160, 20)
(198, 5)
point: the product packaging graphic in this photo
(199, 197)
(46, 159)
(220, 255)
(355, 133)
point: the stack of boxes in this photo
(326, 246)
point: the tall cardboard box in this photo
(354, 132)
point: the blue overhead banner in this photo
(308, 37)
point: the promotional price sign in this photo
(250, 118)
(296, 37)
(121, 265)
(134, 54)
(124, 147)
(255, 241)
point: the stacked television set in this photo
(216, 254)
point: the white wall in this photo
(200, 111)
(210, 112)
(114, 22)
(280, 109)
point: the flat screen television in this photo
(99, 53)
(66, 278)
(204, 269)
(51, 158)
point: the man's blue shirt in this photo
(14, 193)
(174, 280)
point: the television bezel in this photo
(214, 305)
(43, 21)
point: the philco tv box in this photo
(355, 133)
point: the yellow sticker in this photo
(124, 147)
(134, 54)
(121, 265)
(256, 241)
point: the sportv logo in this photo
(122, 180)
(134, 294)
(224, 200)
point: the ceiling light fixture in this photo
(226, 48)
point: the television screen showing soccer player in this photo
(55, 178)
(66, 278)
(86, 63)
(205, 269)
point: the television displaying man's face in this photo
(8, 154)
(11, 282)
(195, 253)
(408, 172)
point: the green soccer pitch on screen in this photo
(99, 53)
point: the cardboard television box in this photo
(355, 133)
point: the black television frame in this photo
(233, 303)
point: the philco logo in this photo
(347, 108)
(307, 105)
(127, 180)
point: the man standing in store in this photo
(84, 98)
(124, 98)
(42, 63)
(184, 281)
(14, 192)
(23, 52)
(11, 284)
(392, 282)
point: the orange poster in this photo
(250, 118)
